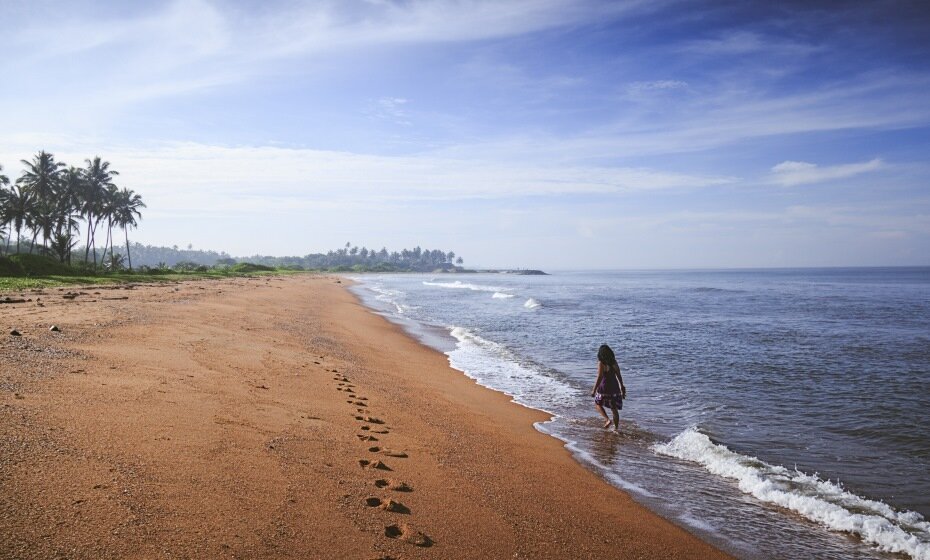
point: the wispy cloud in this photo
(189, 175)
(742, 42)
(392, 109)
(792, 173)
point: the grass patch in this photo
(17, 274)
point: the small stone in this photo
(15, 332)
(54, 328)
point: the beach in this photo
(278, 417)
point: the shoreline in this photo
(229, 418)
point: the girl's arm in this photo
(600, 375)
(620, 379)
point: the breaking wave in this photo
(821, 501)
(459, 285)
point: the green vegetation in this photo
(53, 203)
(50, 201)
(346, 259)
(20, 272)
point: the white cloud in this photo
(186, 176)
(392, 109)
(747, 42)
(792, 173)
(657, 85)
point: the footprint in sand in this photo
(387, 452)
(387, 505)
(365, 437)
(366, 428)
(408, 534)
(358, 403)
(365, 463)
(395, 485)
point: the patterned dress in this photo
(608, 393)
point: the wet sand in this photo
(277, 418)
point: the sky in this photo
(554, 134)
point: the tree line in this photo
(51, 200)
(346, 258)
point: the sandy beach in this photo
(277, 417)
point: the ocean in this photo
(775, 413)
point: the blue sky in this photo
(531, 133)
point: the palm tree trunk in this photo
(93, 240)
(128, 254)
(90, 218)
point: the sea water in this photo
(775, 413)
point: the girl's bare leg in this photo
(604, 414)
(616, 419)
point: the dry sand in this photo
(277, 418)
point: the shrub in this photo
(9, 267)
(40, 265)
(250, 267)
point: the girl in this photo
(608, 389)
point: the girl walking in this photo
(609, 389)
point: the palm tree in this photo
(4, 197)
(98, 177)
(41, 177)
(70, 195)
(19, 208)
(109, 205)
(127, 210)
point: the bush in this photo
(9, 267)
(249, 267)
(39, 265)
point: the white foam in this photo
(459, 285)
(822, 501)
(501, 295)
(531, 304)
(494, 366)
(391, 297)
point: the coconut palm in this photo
(4, 196)
(41, 175)
(127, 210)
(98, 177)
(18, 209)
(109, 204)
(41, 178)
(70, 196)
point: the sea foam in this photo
(459, 285)
(822, 501)
(531, 304)
(493, 365)
(501, 295)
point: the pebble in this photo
(15, 332)
(54, 328)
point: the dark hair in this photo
(606, 356)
